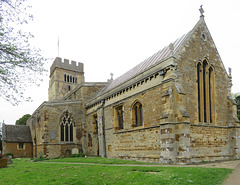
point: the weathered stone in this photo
(172, 108)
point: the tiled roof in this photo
(156, 58)
(16, 133)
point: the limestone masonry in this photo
(174, 107)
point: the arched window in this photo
(65, 78)
(66, 127)
(118, 117)
(205, 86)
(137, 113)
(89, 140)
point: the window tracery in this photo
(66, 127)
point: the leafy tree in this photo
(237, 99)
(20, 63)
(23, 120)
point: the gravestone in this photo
(9, 159)
(75, 151)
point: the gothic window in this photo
(118, 117)
(205, 87)
(65, 78)
(66, 127)
(137, 114)
(89, 140)
(70, 78)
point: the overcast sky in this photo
(112, 36)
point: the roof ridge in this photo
(145, 64)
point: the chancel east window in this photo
(205, 86)
(118, 117)
(137, 114)
(66, 127)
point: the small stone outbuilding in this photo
(16, 139)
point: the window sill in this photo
(67, 142)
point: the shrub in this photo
(78, 155)
(39, 159)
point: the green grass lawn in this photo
(24, 172)
(99, 160)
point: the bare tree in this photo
(20, 63)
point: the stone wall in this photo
(26, 152)
(209, 143)
(137, 144)
(45, 127)
(86, 91)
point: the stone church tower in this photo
(64, 77)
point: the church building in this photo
(174, 107)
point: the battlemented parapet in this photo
(64, 64)
(65, 75)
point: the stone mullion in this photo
(68, 132)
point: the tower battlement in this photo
(65, 64)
